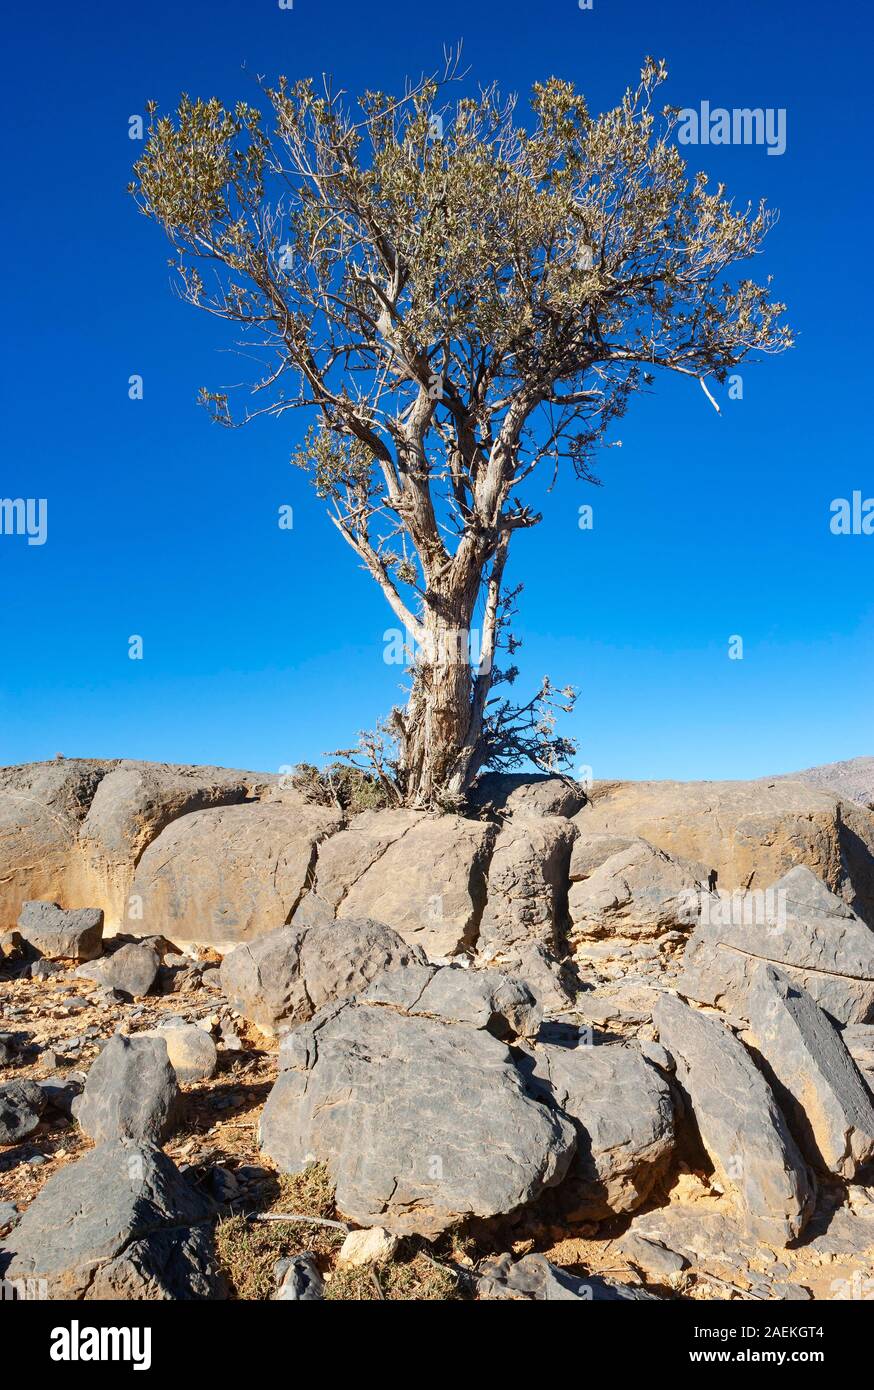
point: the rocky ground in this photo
(546, 1051)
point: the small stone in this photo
(298, 1280)
(650, 1258)
(368, 1247)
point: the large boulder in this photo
(281, 979)
(740, 1124)
(751, 833)
(520, 793)
(72, 830)
(797, 925)
(814, 1076)
(42, 806)
(423, 875)
(227, 875)
(622, 1111)
(58, 934)
(190, 1048)
(527, 885)
(638, 892)
(420, 1122)
(120, 1223)
(135, 801)
(490, 999)
(130, 1092)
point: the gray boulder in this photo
(131, 970)
(421, 1123)
(285, 976)
(638, 892)
(623, 1114)
(489, 999)
(798, 925)
(21, 1105)
(298, 1280)
(57, 934)
(814, 1076)
(527, 885)
(130, 1092)
(520, 793)
(422, 875)
(228, 874)
(121, 1223)
(552, 981)
(858, 1039)
(536, 1279)
(739, 1122)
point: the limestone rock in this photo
(191, 1050)
(534, 1278)
(227, 875)
(120, 1223)
(739, 1121)
(814, 1076)
(751, 833)
(489, 999)
(131, 970)
(638, 892)
(814, 939)
(368, 1247)
(285, 976)
(622, 1110)
(527, 884)
(519, 793)
(57, 934)
(858, 1039)
(130, 1092)
(402, 1111)
(21, 1105)
(423, 875)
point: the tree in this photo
(459, 301)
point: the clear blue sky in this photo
(264, 647)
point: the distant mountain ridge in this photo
(853, 778)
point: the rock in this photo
(658, 1055)
(60, 935)
(7, 1048)
(858, 1039)
(286, 975)
(120, 1223)
(423, 875)
(60, 1093)
(622, 1111)
(369, 1247)
(751, 833)
(851, 780)
(799, 926)
(9, 1216)
(135, 801)
(652, 1259)
(740, 1125)
(593, 848)
(191, 1050)
(488, 999)
(130, 1092)
(298, 1279)
(536, 1279)
(638, 892)
(401, 1110)
(131, 970)
(553, 982)
(13, 948)
(527, 885)
(519, 793)
(21, 1105)
(813, 1075)
(227, 875)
